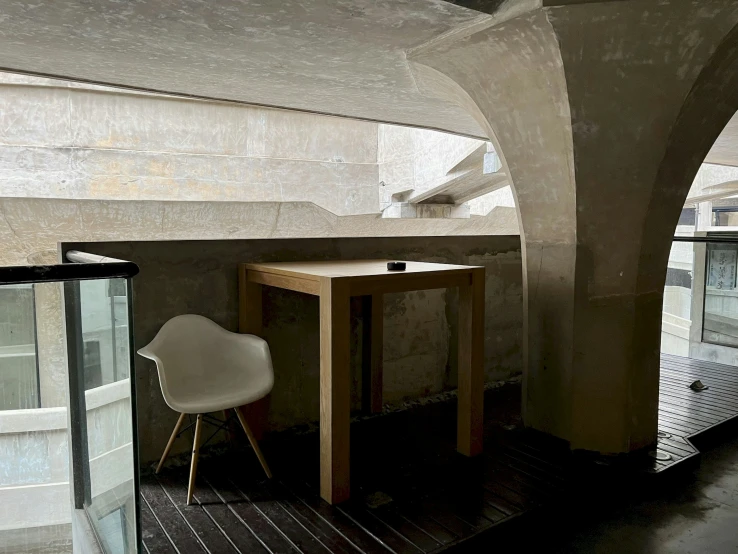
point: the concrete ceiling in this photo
(343, 57)
(725, 149)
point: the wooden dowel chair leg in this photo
(177, 427)
(195, 454)
(253, 442)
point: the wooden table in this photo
(335, 282)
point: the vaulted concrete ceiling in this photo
(343, 57)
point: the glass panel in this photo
(35, 510)
(720, 324)
(106, 367)
(18, 366)
(677, 312)
(725, 216)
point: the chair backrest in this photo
(191, 350)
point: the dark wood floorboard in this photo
(390, 538)
(275, 540)
(411, 492)
(328, 535)
(237, 532)
(153, 537)
(335, 519)
(267, 503)
(206, 528)
(179, 532)
(684, 413)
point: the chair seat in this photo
(204, 368)
(215, 395)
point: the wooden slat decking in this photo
(411, 492)
(685, 414)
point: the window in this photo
(720, 323)
(725, 216)
(93, 364)
(688, 217)
(721, 267)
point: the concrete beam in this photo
(320, 57)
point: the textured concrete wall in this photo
(710, 175)
(60, 141)
(200, 277)
(417, 158)
(30, 228)
(82, 162)
(74, 141)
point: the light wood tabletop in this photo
(350, 268)
(335, 282)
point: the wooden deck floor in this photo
(685, 414)
(411, 493)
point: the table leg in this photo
(372, 347)
(250, 321)
(471, 366)
(335, 390)
(249, 305)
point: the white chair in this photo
(204, 368)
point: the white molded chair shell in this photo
(204, 368)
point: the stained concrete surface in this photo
(695, 514)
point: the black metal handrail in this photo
(82, 267)
(727, 239)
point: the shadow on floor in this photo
(411, 493)
(697, 513)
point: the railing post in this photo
(77, 406)
(134, 415)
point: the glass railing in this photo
(68, 450)
(720, 318)
(676, 321)
(18, 360)
(700, 314)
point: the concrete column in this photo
(52, 354)
(704, 215)
(591, 108)
(50, 339)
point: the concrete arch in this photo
(707, 109)
(710, 105)
(433, 82)
(586, 101)
(496, 74)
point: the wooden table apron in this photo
(335, 283)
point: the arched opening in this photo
(697, 191)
